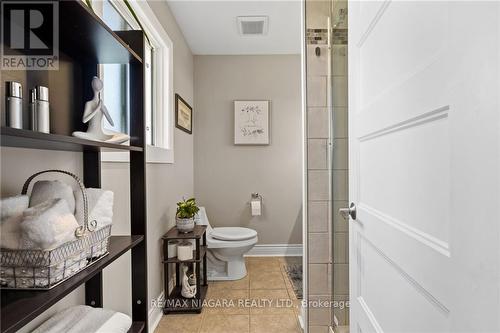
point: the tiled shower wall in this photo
(327, 161)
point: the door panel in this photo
(424, 155)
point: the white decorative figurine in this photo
(94, 112)
(188, 290)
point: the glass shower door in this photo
(327, 164)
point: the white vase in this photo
(185, 225)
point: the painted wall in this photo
(225, 174)
(166, 184)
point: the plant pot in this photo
(184, 225)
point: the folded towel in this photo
(44, 190)
(11, 216)
(47, 225)
(10, 232)
(82, 318)
(100, 206)
(13, 206)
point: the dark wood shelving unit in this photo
(87, 38)
(174, 301)
(21, 138)
(137, 327)
(85, 42)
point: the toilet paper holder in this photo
(256, 196)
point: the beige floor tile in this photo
(267, 280)
(270, 302)
(216, 323)
(223, 301)
(263, 264)
(238, 284)
(274, 324)
(181, 323)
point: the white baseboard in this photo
(285, 250)
(155, 314)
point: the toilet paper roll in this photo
(185, 251)
(256, 207)
(172, 248)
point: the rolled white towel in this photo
(10, 232)
(100, 206)
(47, 225)
(11, 216)
(82, 318)
(13, 206)
(44, 190)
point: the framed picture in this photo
(183, 115)
(251, 122)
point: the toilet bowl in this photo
(226, 247)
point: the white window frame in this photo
(163, 117)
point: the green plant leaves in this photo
(137, 20)
(89, 4)
(187, 209)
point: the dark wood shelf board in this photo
(137, 327)
(21, 138)
(84, 36)
(174, 260)
(182, 304)
(197, 233)
(19, 307)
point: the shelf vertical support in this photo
(92, 178)
(138, 213)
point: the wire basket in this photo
(44, 269)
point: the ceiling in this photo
(210, 27)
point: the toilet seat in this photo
(233, 233)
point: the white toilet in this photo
(226, 247)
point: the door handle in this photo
(346, 212)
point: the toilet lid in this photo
(233, 233)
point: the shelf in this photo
(137, 327)
(19, 307)
(84, 36)
(197, 233)
(174, 260)
(21, 138)
(181, 304)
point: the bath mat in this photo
(294, 272)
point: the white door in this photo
(424, 166)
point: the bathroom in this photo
(249, 166)
(258, 186)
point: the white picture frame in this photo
(251, 123)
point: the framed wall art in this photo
(251, 122)
(183, 115)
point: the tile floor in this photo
(266, 279)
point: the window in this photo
(158, 60)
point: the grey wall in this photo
(166, 184)
(225, 174)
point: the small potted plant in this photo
(184, 218)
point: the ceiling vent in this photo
(252, 25)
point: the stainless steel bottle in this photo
(33, 114)
(42, 109)
(14, 104)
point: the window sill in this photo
(154, 155)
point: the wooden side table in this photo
(174, 301)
